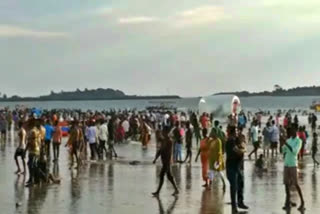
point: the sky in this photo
(148, 47)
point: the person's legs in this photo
(96, 150)
(180, 152)
(314, 158)
(17, 162)
(223, 181)
(240, 190)
(162, 174)
(24, 164)
(30, 168)
(54, 145)
(49, 150)
(256, 152)
(92, 151)
(171, 179)
(253, 152)
(288, 199)
(301, 197)
(232, 177)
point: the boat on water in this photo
(315, 106)
(162, 106)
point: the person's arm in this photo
(157, 156)
(240, 149)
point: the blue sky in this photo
(147, 47)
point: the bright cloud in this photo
(136, 20)
(200, 15)
(14, 31)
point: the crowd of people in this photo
(219, 150)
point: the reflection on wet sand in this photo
(171, 207)
(211, 202)
(116, 187)
(37, 197)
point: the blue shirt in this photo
(49, 132)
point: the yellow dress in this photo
(216, 160)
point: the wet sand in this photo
(118, 187)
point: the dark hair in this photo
(188, 124)
(204, 132)
(166, 129)
(232, 130)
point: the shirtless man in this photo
(165, 152)
(20, 151)
(75, 138)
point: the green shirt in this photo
(291, 157)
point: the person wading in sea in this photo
(290, 176)
(165, 152)
(235, 175)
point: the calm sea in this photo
(249, 103)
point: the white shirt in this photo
(92, 134)
(126, 125)
(103, 132)
(275, 134)
(254, 133)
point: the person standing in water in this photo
(20, 152)
(33, 148)
(235, 175)
(74, 142)
(165, 152)
(48, 137)
(290, 176)
(103, 137)
(111, 137)
(57, 139)
(216, 159)
(177, 143)
(274, 138)
(189, 137)
(255, 140)
(314, 148)
(204, 152)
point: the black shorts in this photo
(19, 153)
(3, 132)
(274, 145)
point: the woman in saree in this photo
(216, 159)
(204, 152)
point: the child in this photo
(314, 148)
(260, 164)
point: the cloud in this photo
(196, 16)
(14, 31)
(200, 15)
(136, 20)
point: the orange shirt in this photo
(57, 135)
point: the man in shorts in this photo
(275, 137)
(291, 150)
(20, 151)
(3, 128)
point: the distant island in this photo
(279, 91)
(86, 94)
